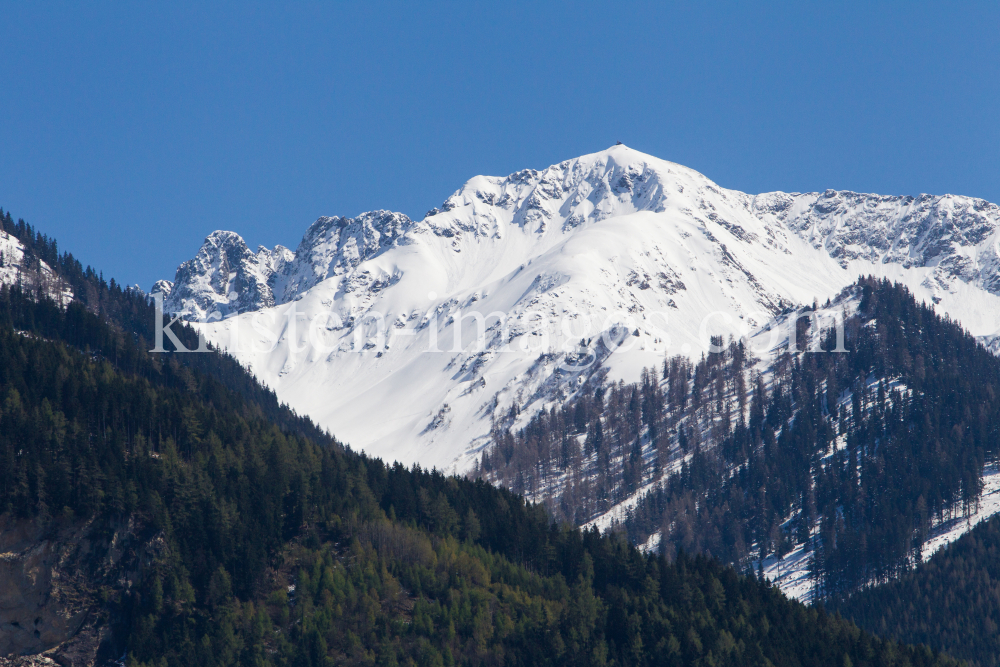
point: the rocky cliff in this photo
(62, 587)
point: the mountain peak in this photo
(224, 277)
(611, 234)
(616, 181)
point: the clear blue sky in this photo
(130, 131)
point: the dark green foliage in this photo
(390, 565)
(951, 602)
(242, 505)
(853, 456)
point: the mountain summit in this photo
(617, 258)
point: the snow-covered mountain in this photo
(603, 263)
(226, 277)
(19, 267)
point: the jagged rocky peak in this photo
(955, 235)
(163, 287)
(593, 187)
(225, 277)
(335, 245)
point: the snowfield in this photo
(607, 261)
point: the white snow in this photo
(949, 531)
(791, 573)
(652, 545)
(613, 243)
(13, 270)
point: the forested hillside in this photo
(252, 542)
(856, 455)
(952, 601)
(125, 314)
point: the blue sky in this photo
(130, 131)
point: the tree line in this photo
(281, 546)
(853, 457)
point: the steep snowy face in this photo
(412, 339)
(956, 237)
(224, 278)
(656, 219)
(12, 265)
(18, 267)
(163, 287)
(335, 246)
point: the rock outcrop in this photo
(54, 589)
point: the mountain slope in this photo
(951, 602)
(828, 471)
(593, 249)
(22, 265)
(194, 531)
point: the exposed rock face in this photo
(565, 254)
(333, 246)
(164, 287)
(957, 236)
(49, 582)
(226, 278)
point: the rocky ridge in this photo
(577, 257)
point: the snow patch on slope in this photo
(791, 573)
(17, 268)
(987, 505)
(616, 256)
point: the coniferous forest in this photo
(253, 538)
(952, 601)
(854, 457)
